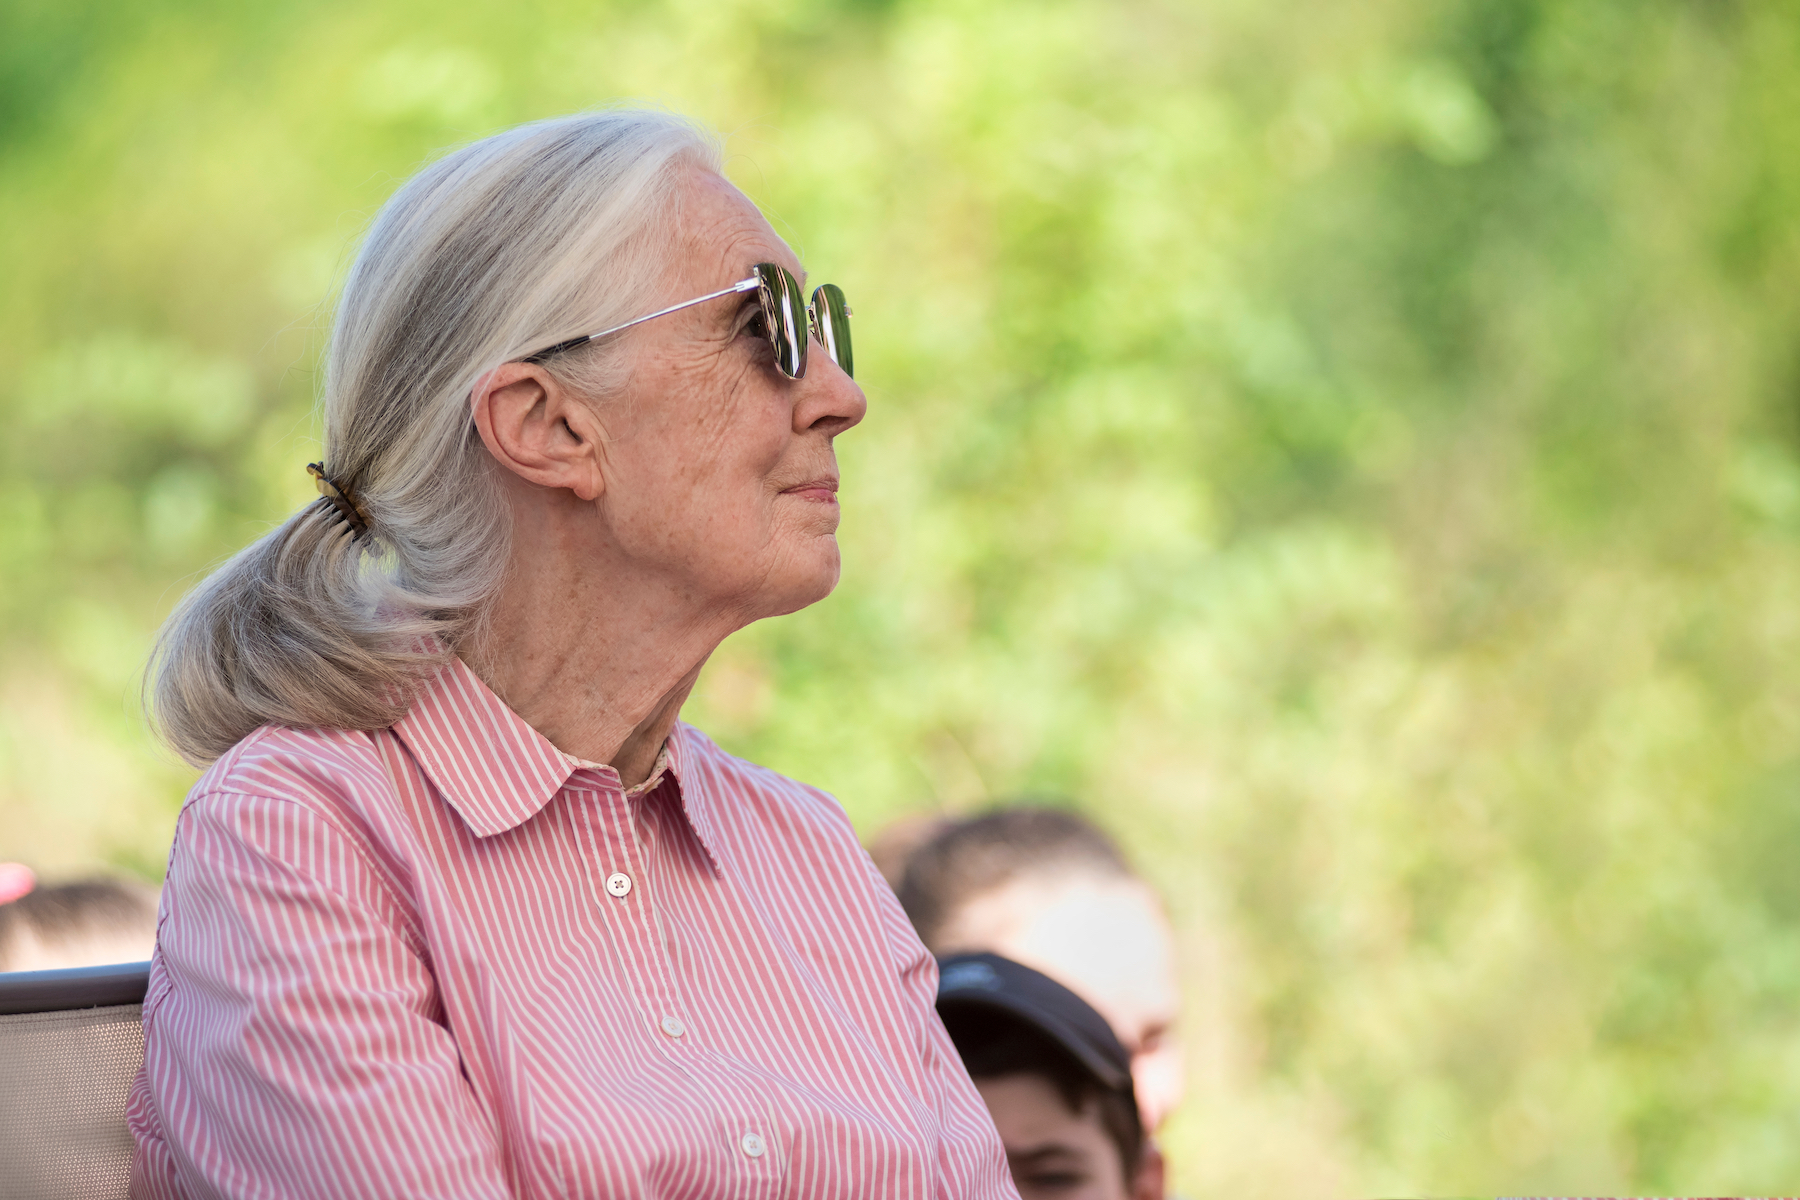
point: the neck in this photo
(601, 670)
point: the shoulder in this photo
(734, 785)
(312, 807)
(276, 760)
(768, 824)
(333, 774)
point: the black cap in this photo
(987, 981)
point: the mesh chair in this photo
(70, 1044)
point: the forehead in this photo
(1107, 940)
(1030, 1114)
(723, 233)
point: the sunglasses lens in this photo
(784, 317)
(831, 319)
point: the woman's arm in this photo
(294, 1043)
(971, 1159)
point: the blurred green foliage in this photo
(1354, 449)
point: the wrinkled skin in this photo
(650, 523)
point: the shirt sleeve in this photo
(972, 1162)
(294, 1043)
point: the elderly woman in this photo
(460, 908)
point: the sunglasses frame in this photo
(790, 326)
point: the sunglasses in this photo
(787, 323)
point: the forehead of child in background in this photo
(1044, 887)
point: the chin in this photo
(809, 579)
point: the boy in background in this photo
(1055, 1078)
(1045, 888)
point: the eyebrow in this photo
(1048, 1152)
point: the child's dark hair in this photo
(994, 1044)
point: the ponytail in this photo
(335, 619)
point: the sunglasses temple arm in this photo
(742, 285)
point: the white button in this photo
(673, 1026)
(753, 1145)
(619, 883)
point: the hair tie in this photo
(342, 501)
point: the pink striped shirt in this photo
(444, 960)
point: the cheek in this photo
(700, 471)
(713, 503)
(732, 434)
(712, 461)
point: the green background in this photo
(1351, 450)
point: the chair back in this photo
(71, 1042)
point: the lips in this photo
(820, 491)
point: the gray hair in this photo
(519, 241)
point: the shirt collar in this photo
(498, 772)
(651, 781)
(494, 769)
(687, 768)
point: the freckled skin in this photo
(701, 445)
(652, 522)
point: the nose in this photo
(827, 400)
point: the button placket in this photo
(627, 834)
(615, 853)
(626, 849)
(757, 1137)
(760, 1134)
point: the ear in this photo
(1150, 1182)
(537, 429)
